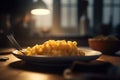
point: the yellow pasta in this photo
(55, 48)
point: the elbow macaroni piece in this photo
(55, 48)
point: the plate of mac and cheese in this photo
(55, 51)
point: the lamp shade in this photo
(39, 8)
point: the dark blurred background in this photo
(68, 19)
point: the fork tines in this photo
(14, 42)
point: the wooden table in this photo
(15, 69)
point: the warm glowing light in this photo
(40, 11)
(38, 77)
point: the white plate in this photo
(89, 55)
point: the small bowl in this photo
(105, 46)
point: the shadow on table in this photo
(53, 69)
(94, 66)
(80, 67)
(94, 70)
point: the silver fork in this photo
(14, 43)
